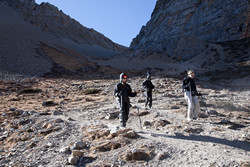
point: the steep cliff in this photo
(182, 28)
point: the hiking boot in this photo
(123, 124)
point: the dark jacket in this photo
(148, 85)
(189, 83)
(124, 91)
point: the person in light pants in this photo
(190, 95)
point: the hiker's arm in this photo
(117, 91)
(153, 86)
(185, 84)
(130, 93)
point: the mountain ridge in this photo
(28, 26)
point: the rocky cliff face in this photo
(183, 28)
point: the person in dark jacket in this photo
(148, 86)
(190, 94)
(123, 91)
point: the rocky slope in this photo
(74, 122)
(65, 122)
(40, 39)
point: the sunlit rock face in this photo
(183, 28)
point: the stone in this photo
(137, 155)
(12, 109)
(161, 123)
(141, 113)
(175, 107)
(162, 156)
(50, 144)
(130, 134)
(71, 119)
(58, 120)
(147, 123)
(113, 115)
(47, 125)
(56, 112)
(106, 146)
(225, 121)
(80, 144)
(193, 130)
(65, 150)
(77, 153)
(212, 112)
(73, 160)
(5, 114)
(202, 115)
(49, 103)
(19, 112)
(25, 113)
(32, 144)
(32, 112)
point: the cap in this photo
(122, 75)
(190, 72)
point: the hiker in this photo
(148, 86)
(123, 91)
(190, 94)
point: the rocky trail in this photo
(63, 122)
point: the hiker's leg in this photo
(147, 99)
(126, 113)
(188, 98)
(121, 114)
(150, 99)
(196, 106)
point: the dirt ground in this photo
(43, 121)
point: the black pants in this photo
(149, 99)
(124, 112)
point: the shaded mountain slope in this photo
(38, 39)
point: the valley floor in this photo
(45, 121)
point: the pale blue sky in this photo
(119, 20)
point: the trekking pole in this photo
(122, 112)
(155, 93)
(206, 110)
(138, 111)
(139, 117)
(155, 96)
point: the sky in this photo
(118, 20)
